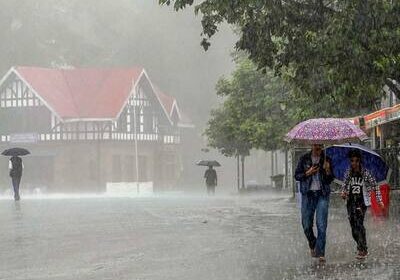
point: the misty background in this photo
(125, 33)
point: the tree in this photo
(225, 133)
(260, 103)
(258, 110)
(256, 113)
(339, 50)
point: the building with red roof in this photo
(91, 128)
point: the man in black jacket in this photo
(211, 180)
(314, 173)
(16, 166)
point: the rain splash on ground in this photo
(181, 237)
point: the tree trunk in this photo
(272, 168)
(238, 172)
(243, 172)
(272, 164)
(286, 169)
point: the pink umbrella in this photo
(325, 131)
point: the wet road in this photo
(181, 238)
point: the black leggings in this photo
(356, 216)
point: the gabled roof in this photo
(88, 93)
(82, 93)
(170, 105)
(166, 100)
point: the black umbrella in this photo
(15, 152)
(208, 163)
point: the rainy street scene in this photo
(192, 140)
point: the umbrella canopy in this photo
(15, 152)
(369, 160)
(325, 131)
(208, 163)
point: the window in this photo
(128, 120)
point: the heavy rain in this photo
(180, 139)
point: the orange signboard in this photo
(381, 116)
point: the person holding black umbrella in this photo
(210, 175)
(211, 180)
(15, 166)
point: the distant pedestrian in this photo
(16, 166)
(357, 188)
(211, 180)
(314, 172)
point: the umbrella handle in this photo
(325, 160)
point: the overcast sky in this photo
(97, 33)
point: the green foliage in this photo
(224, 133)
(256, 112)
(259, 108)
(340, 50)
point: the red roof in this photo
(82, 93)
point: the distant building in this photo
(81, 125)
(383, 128)
(383, 125)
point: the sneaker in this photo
(322, 260)
(313, 253)
(362, 255)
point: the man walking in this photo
(211, 180)
(16, 166)
(314, 172)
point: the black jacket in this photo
(304, 164)
(16, 170)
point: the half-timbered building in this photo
(87, 128)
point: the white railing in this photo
(70, 136)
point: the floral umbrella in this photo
(325, 131)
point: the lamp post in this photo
(136, 144)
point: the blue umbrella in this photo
(370, 160)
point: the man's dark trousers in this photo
(15, 182)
